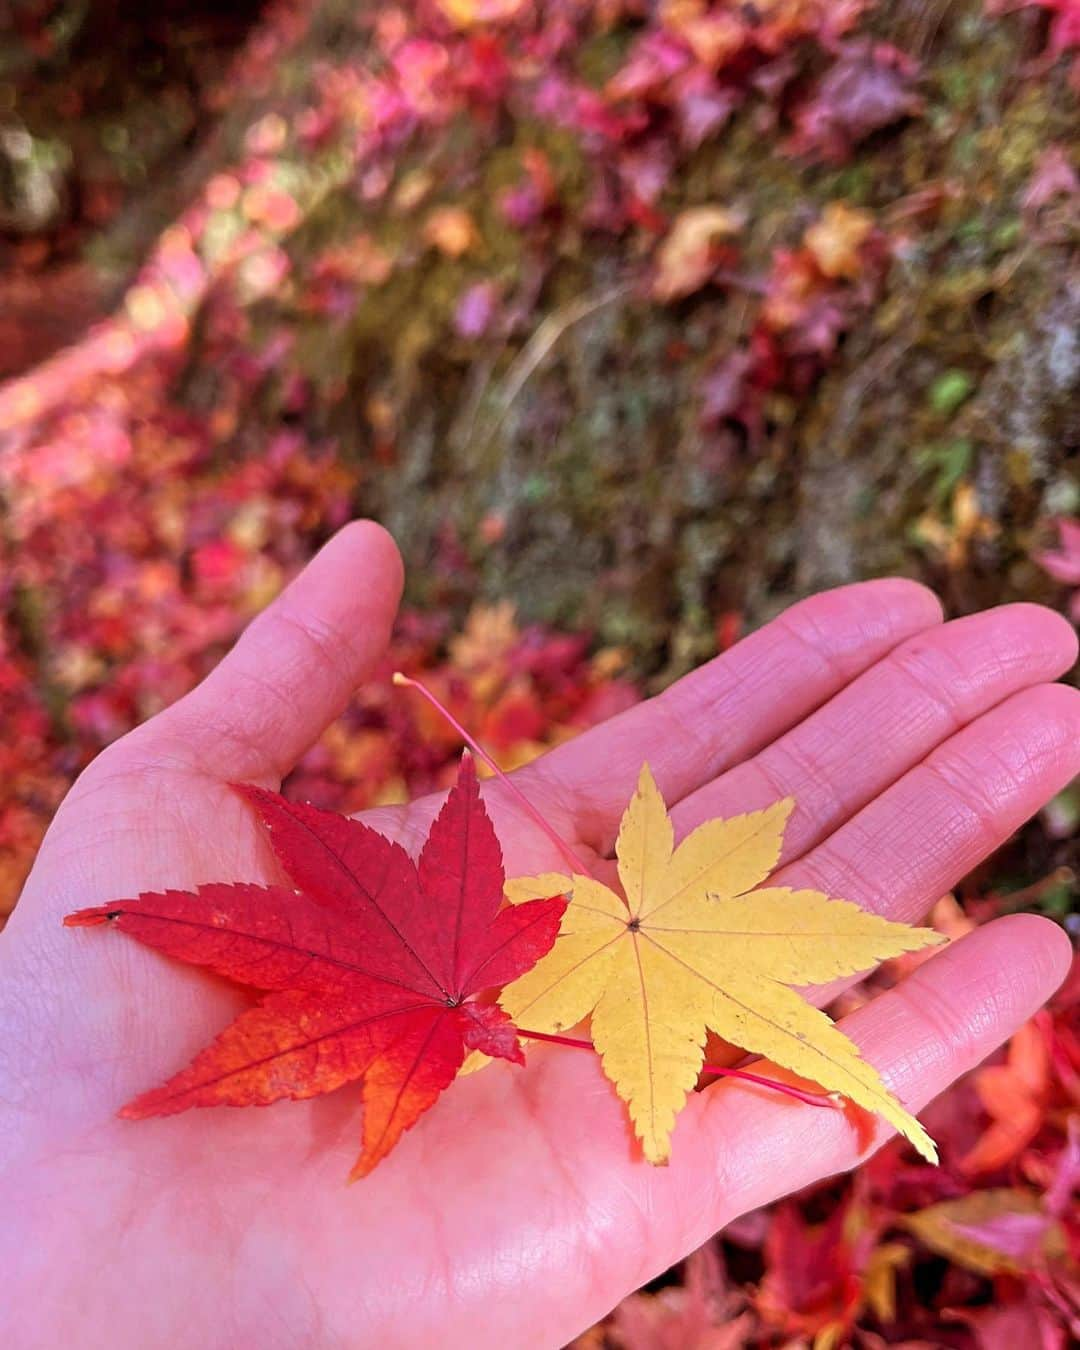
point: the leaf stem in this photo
(809, 1098)
(576, 864)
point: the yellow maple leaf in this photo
(688, 950)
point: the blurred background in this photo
(634, 322)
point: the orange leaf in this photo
(1015, 1095)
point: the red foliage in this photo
(869, 87)
(1063, 563)
(140, 537)
(1064, 31)
(811, 296)
(360, 983)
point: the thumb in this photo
(293, 669)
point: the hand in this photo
(517, 1211)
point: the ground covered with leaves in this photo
(633, 322)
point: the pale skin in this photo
(518, 1210)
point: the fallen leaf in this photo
(1015, 1095)
(837, 238)
(687, 257)
(688, 951)
(810, 1287)
(869, 87)
(451, 230)
(1058, 1196)
(713, 34)
(476, 309)
(1063, 563)
(989, 1232)
(489, 634)
(1054, 176)
(1003, 1325)
(968, 527)
(367, 967)
(879, 1278)
(475, 13)
(700, 1314)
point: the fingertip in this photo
(880, 613)
(909, 604)
(911, 598)
(368, 544)
(1041, 625)
(348, 594)
(1008, 968)
(1044, 947)
(1059, 705)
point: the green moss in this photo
(599, 57)
(950, 390)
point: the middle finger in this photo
(887, 720)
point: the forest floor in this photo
(634, 323)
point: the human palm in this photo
(518, 1210)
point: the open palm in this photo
(518, 1210)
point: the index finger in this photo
(734, 705)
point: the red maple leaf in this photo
(368, 966)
